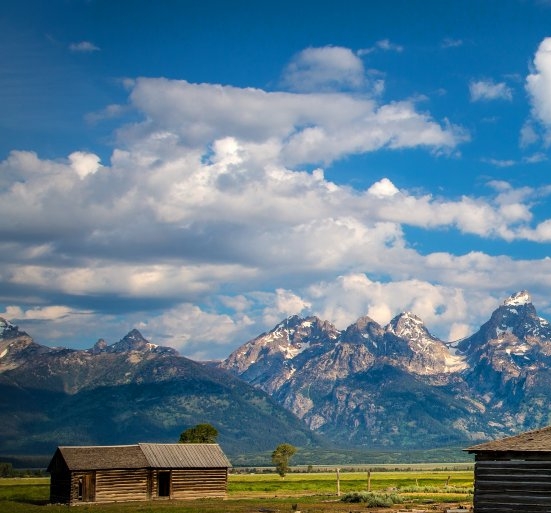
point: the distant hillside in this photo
(128, 392)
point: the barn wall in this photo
(521, 485)
(60, 480)
(198, 483)
(122, 485)
(139, 485)
(60, 487)
(112, 485)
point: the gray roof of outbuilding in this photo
(185, 455)
(143, 456)
(538, 440)
(103, 457)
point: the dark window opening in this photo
(164, 484)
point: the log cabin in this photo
(513, 473)
(146, 471)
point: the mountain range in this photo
(398, 386)
(370, 387)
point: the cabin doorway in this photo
(87, 487)
(163, 478)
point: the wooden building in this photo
(513, 474)
(137, 473)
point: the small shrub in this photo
(372, 500)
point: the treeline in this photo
(7, 470)
(312, 469)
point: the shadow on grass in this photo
(20, 499)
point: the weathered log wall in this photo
(512, 486)
(121, 485)
(139, 485)
(197, 483)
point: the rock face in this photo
(398, 385)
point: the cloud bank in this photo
(214, 219)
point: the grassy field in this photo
(269, 493)
(326, 482)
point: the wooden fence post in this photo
(369, 480)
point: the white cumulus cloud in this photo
(326, 68)
(538, 85)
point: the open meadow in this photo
(308, 492)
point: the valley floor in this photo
(430, 491)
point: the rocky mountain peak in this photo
(293, 335)
(511, 349)
(513, 323)
(364, 331)
(517, 317)
(99, 346)
(133, 341)
(286, 331)
(9, 330)
(4, 324)
(421, 352)
(16, 346)
(407, 325)
(273, 355)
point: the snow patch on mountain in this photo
(505, 330)
(290, 351)
(518, 299)
(455, 363)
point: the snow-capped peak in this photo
(518, 299)
(6, 326)
(406, 324)
(3, 325)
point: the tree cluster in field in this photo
(199, 434)
(281, 456)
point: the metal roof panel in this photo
(184, 455)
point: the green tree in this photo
(199, 434)
(6, 469)
(281, 457)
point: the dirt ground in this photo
(339, 507)
(311, 505)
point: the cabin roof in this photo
(538, 440)
(144, 455)
(103, 457)
(185, 455)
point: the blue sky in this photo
(202, 170)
